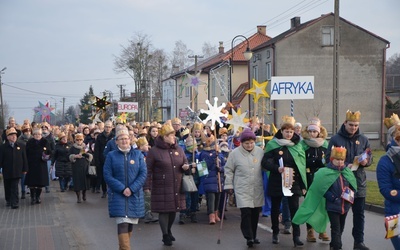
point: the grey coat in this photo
(243, 174)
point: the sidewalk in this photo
(36, 227)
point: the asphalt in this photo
(44, 226)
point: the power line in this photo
(82, 80)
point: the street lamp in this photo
(1, 96)
(247, 55)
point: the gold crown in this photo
(166, 129)
(184, 132)
(146, 124)
(142, 141)
(223, 131)
(288, 120)
(198, 126)
(176, 120)
(353, 116)
(394, 119)
(338, 153)
(79, 136)
(387, 122)
(26, 127)
(11, 131)
(142, 131)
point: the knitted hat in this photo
(314, 127)
(224, 147)
(123, 131)
(246, 135)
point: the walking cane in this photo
(222, 221)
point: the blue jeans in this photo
(23, 183)
(395, 242)
(358, 219)
(48, 173)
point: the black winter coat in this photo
(60, 158)
(38, 175)
(13, 160)
(80, 168)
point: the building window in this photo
(223, 85)
(187, 91)
(255, 72)
(213, 87)
(268, 70)
(328, 36)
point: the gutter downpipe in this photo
(274, 74)
(383, 95)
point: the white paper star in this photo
(237, 121)
(214, 113)
(96, 118)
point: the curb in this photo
(375, 208)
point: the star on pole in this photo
(214, 113)
(258, 90)
(44, 110)
(101, 103)
(237, 121)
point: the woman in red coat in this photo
(166, 162)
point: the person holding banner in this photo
(388, 175)
(284, 158)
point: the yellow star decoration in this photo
(123, 117)
(258, 90)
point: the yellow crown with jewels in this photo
(288, 120)
(142, 141)
(394, 119)
(338, 153)
(353, 116)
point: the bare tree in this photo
(180, 55)
(393, 64)
(209, 50)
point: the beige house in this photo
(306, 49)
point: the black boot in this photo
(38, 193)
(33, 194)
(275, 239)
(78, 197)
(22, 195)
(84, 195)
(167, 240)
(171, 236)
(297, 241)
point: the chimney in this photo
(221, 47)
(262, 29)
(294, 22)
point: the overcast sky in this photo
(58, 48)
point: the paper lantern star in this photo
(194, 80)
(122, 116)
(192, 115)
(214, 113)
(258, 90)
(101, 103)
(237, 121)
(44, 110)
(95, 118)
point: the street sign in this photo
(292, 87)
(128, 107)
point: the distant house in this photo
(306, 49)
(215, 78)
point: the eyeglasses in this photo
(123, 139)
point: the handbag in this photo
(92, 170)
(392, 226)
(188, 184)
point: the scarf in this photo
(394, 154)
(284, 142)
(315, 142)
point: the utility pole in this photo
(121, 91)
(193, 89)
(336, 55)
(63, 110)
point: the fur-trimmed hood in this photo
(323, 134)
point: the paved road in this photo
(60, 223)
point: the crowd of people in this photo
(140, 167)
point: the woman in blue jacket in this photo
(388, 176)
(125, 173)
